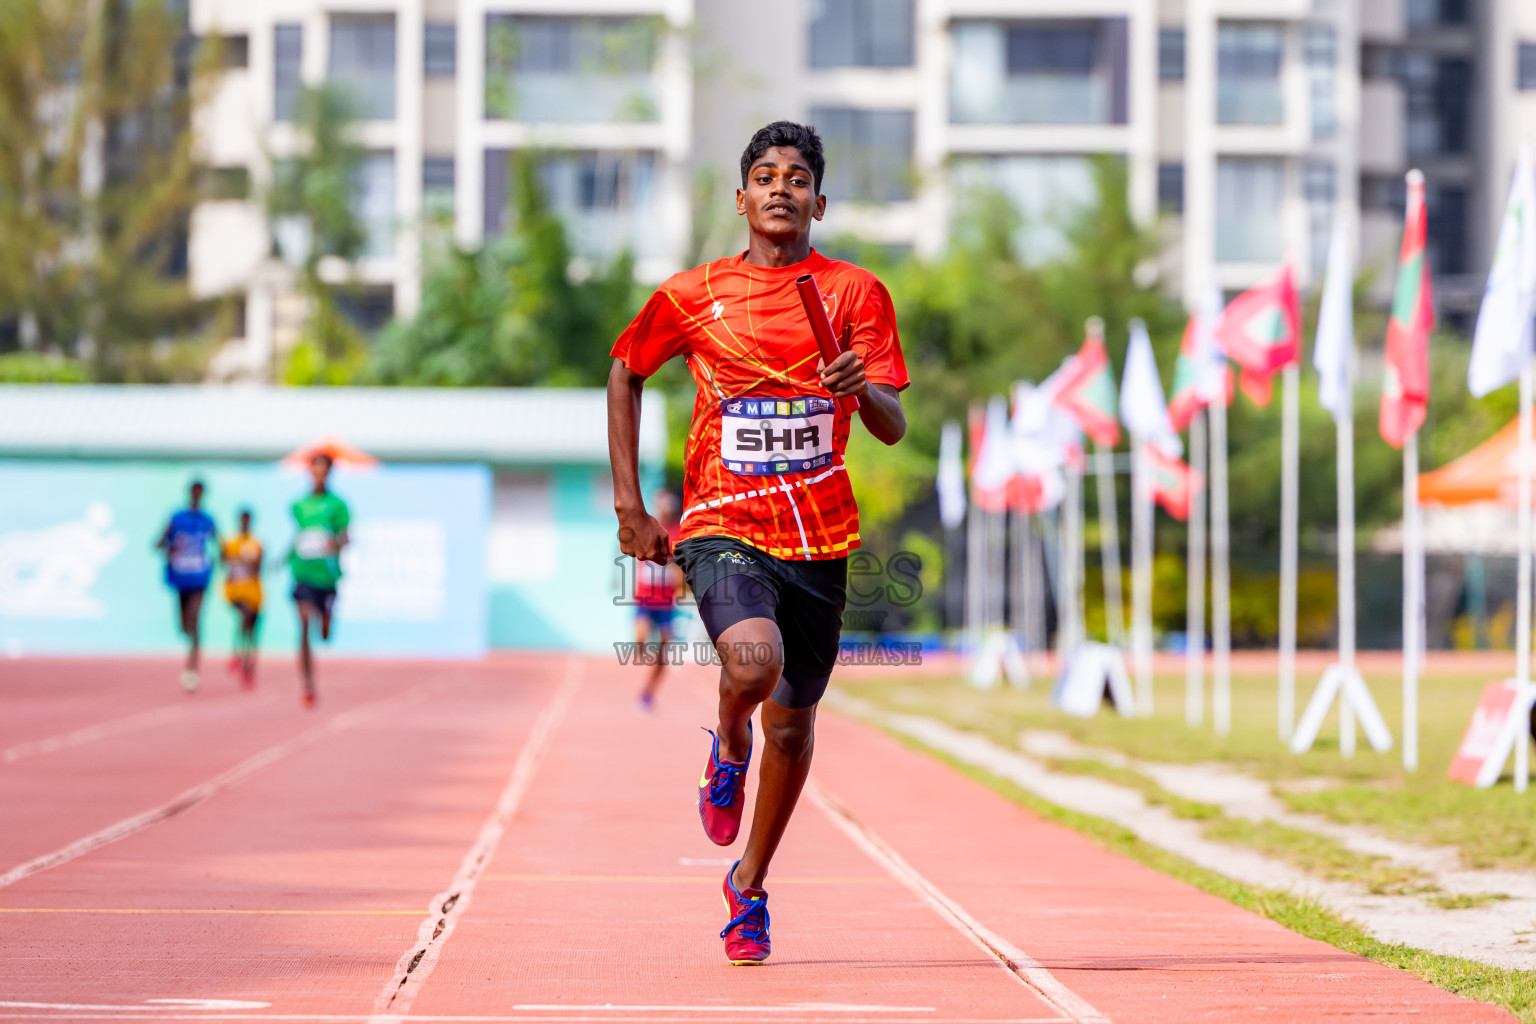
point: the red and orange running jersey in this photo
(765, 448)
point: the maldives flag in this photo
(1261, 331)
(1405, 391)
(1198, 375)
(1174, 482)
(1088, 392)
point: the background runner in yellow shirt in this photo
(242, 589)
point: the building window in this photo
(440, 49)
(1438, 93)
(287, 56)
(869, 153)
(1049, 195)
(1170, 54)
(369, 309)
(1321, 48)
(373, 202)
(605, 199)
(1318, 181)
(570, 69)
(1384, 193)
(1249, 195)
(1039, 72)
(234, 51)
(1170, 187)
(1446, 209)
(437, 184)
(1435, 13)
(363, 63)
(1318, 187)
(1525, 70)
(861, 33)
(1248, 60)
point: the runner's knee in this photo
(792, 737)
(752, 669)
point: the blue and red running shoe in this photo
(746, 936)
(721, 793)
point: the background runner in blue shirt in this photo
(188, 543)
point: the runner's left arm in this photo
(879, 404)
(871, 349)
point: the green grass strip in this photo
(1512, 989)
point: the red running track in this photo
(515, 841)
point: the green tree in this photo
(98, 180)
(511, 311)
(317, 228)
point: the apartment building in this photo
(1245, 125)
(445, 91)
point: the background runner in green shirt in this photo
(315, 562)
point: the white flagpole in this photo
(1109, 544)
(1074, 478)
(1141, 576)
(997, 568)
(1018, 587)
(1069, 625)
(1034, 576)
(1290, 444)
(975, 561)
(1523, 599)
(1413, 601)
(1194, 615)
(1221, 578)
(1344, 428)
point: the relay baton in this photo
(821, 327)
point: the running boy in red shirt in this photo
(768, 513)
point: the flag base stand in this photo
(999, 658)
(1092, 673)
(1345, 684)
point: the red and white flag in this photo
(1260, 331)
(1405, 390)
(1174, 482)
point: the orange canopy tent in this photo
(1488, 473)
(339, 451)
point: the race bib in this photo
(776, 435)
(313, 542)
(189, 560)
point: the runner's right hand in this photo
(642, 536)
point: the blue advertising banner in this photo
(79, 572)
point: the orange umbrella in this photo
(340, 452)
(1489, 472)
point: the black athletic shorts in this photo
(321, 597)
(185, 595)
(734, 581)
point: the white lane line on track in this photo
(148, 1004)
(203, 790)
(184, 1005)
(356, 1018)
(92, 733)
(448, 906)
(1021, 965)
